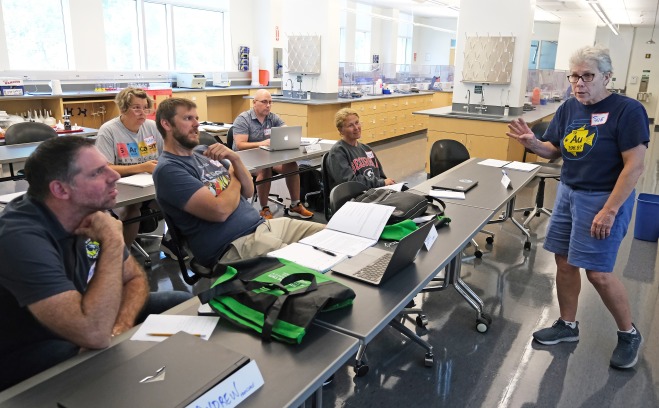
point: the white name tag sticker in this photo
(505, 180)
(430, 239)
(370, 155)
(267, 131)
(598, 119)
(149, 140)
(233, 390)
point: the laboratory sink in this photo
(468, 115)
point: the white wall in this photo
(543, 31)
(620, 49)
(638, 63)
(433, 44)
(574, 34)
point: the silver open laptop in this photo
(375, 265)
(284, 138)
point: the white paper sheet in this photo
(362, 219)
(159, 327)
(308, 256)
(521, 166)
(456, 195)
(493, 162)
(5, 198)
(395, 187)
(339, 242)
(139, 180)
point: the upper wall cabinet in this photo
(488, 60)
(304, 54)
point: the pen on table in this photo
(171, 334)
(324, 251)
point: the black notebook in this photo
(172, 373)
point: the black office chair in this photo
(195, 271)
(27, 132)
(342, 193)
(444, 155)
(339, 195)
(205, 138)
(551, 170)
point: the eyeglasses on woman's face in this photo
(574, 78)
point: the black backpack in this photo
(408, 205)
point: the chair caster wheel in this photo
(429, 360)
(361, 369)
(306, 204)
(422, 320)
(526, 213)
(483, 323)
(489, 240)
(537, 214)
(527, 246)
(478, 254)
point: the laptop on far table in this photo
(455, 184)
(284, 138)
(375, 265)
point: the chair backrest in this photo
(230, 138)
(196, 271)
(28, 132)
(206, 138)
(539, 129)
(446, 154)
(325, 181)
(343, 193)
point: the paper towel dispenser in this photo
(190, 80)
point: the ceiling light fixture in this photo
(602, 15)
(654, 24)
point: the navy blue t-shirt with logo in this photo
(593, 137)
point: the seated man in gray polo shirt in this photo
(252, 129)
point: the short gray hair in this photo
(597, 54)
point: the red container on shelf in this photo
(157, 95)
(264, 77)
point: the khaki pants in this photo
(269, 236)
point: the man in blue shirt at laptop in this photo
(251, 129)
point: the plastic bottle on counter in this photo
(535, 97)
(378, 87)
(506, 110)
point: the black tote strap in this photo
(272, 314)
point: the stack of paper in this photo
(139, 180)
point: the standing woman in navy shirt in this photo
(602, 138)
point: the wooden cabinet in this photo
(482, 138)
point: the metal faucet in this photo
(291, 83)
(482, 108)
(468, 97)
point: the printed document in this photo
(456, 195)
(320, 260)
(355, 227)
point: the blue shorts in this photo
(568, 233)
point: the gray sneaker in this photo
(625, 354)
(557, 333)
